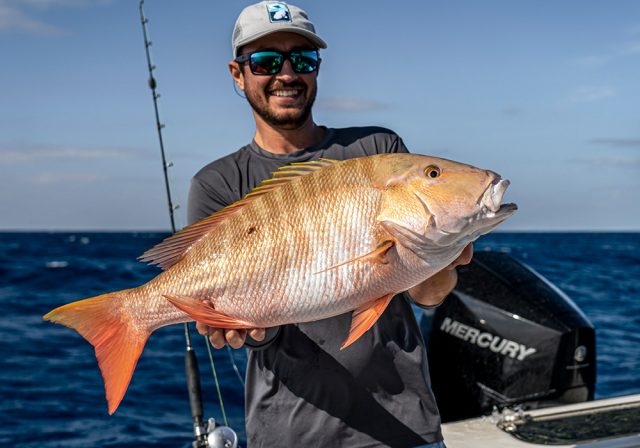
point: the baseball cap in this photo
(266, 17)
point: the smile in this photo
(285, 92)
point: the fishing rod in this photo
(211, 436)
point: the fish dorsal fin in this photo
(172, 249)
(287, 173)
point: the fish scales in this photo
(242, 269)
(317, 240)
(293, 264)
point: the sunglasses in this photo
(270, 62)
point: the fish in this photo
(317, 240)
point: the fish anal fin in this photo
(203, 312)
(118, 343)
(364, 317)
(377, 255)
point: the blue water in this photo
(52, 392)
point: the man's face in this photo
(283, 100)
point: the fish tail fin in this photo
(117, 341)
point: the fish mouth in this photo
(491, 200)
(487, 214)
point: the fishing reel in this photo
(214, 436)
(217, 436)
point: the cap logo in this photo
(278, 12)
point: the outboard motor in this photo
(506, 336)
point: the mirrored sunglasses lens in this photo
(266, 63)
(304, 61)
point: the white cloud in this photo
(14, 19)
(592, 61)
(349, 104)
(50, 178)
(631, 48)
(634, 30)
(586, 94)
(627, 49)
(617, 142)
(610, 162)
(44, 153)
(21, 15)
(47, 4)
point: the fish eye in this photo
(432, 171)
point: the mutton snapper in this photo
(317, 240)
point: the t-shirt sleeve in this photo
(398, 145)
(388, 142)
(206, 198)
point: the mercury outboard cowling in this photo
(507, 336)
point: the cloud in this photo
(611, 162)
(623, 50)
(349, 105)
(592, 61)
(617, 142)
(47, 153)
(587, 94)
(14, 19)
(20, 15)
(47, 4)
(631, 48)
(51, 179)
(634, 30)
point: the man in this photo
(301, 389)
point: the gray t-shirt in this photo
(301, 389)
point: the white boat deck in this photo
(483, 432)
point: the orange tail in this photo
(118, 344)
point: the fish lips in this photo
(506, 210)
(491, 200)
(488, 213)
(490, 203)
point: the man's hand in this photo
(433, 291)
(235, 338)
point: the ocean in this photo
(51, 388)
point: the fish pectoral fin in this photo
(364, 317)
(203, 312)
(377, 255)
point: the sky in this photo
(545, 93)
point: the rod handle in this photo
(193, 386)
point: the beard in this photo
(291, 118)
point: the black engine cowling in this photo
(507, 336)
